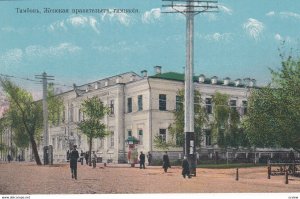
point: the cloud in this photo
(16, 56)
(271, 13)
(76, 22)
(290, 14)
(254, 28)
(11, 57)
(216, 37)
(58, 50)
(121, 47)
(151, 16)
(225, 9)
(122, 18)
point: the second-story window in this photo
(71, 113)
(112, 107)
(140, 136)
(179, 102)
(233, 105)
(208, 106)
(162, 102)
(140, 102)
(245, 105)
(129, 105)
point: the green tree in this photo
(226, 124)
(23, 113)
(92, 126)
(176, 129)
(273, 118)
(25, 116)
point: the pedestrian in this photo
(142, 160)
(166, 162)
(185, 168)
(73, 162)
(86, 156)
(149, 156)
(68, 155)
(8, 158)
(94, 159)
(81, 157)
(19, 158)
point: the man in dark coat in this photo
(142, 160)
(185, 168)
(166, 162)
(74, 155)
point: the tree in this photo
(226, 124)
(92, 126)
(25, 116)
(24, 113)
(176, 129)
(273, 119)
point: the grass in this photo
(229, 166)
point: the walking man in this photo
(142, 160)
(94, 159)
(86, 156)
(166, 162)
(149, 156)
(73, 162)
(185, 168)
(81, 157)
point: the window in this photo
(141, 136)
(208, 106)
(162, 102)
(112, 140)
(129, 133)
(163, 134)
(179, 102)
(129, 105)
(233, 104)
(71, 113)
(112, 107)
(208, 137)
(140, 102)
(245, 105)
(63, 119)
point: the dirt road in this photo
(27, 178)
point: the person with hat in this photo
(74, 155)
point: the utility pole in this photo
(44, 77)
(190, 8)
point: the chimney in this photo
(118, 79)
(226, 81)
(238, 82)
(144, 73)
(214, 80)
(157, 70)
(201, 78)
(106, 82)
(132, 78)
(252, 83)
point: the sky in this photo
(239, 41)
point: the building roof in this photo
(180, 77)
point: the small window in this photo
(163, 134)
(162, 102)
(129, 105)
(245, 105)
(233, 104)
(140, 102)
(112, 107)
(141, 136)
(208, 138)
(179, 102)
(129, 133)
(112, 140)
(208, 106)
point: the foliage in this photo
(176, 129)
(55, 106)
(92, 126)
(24, 115)
(274, 111)
(226, 125)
